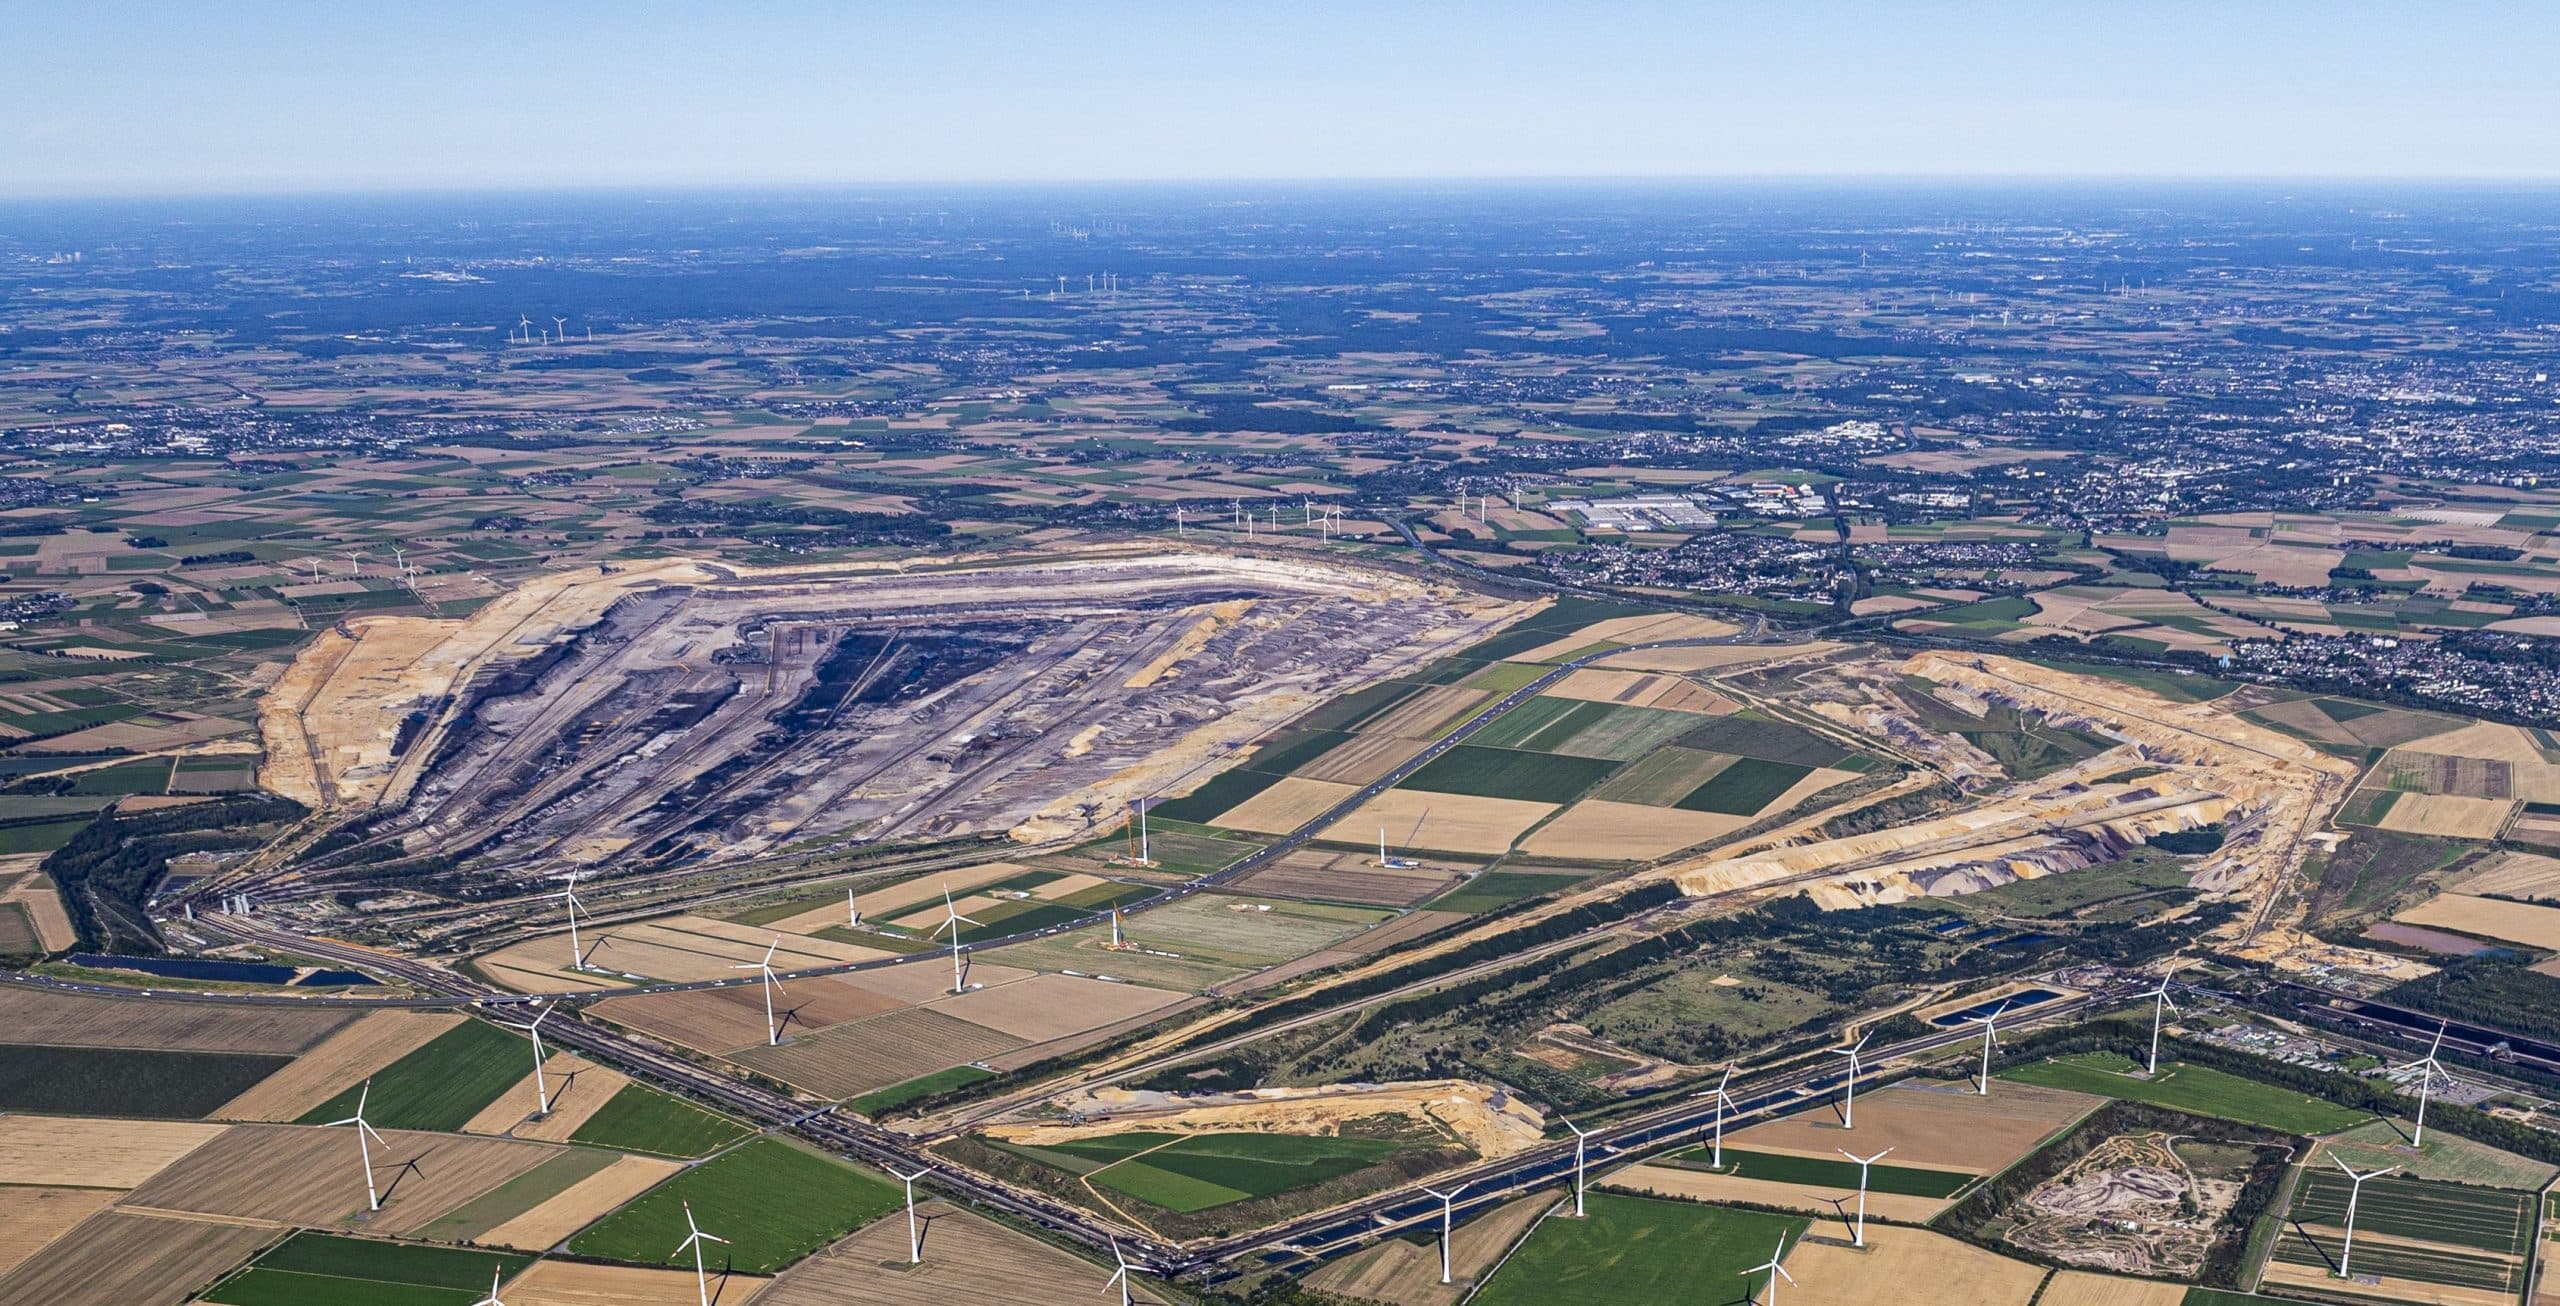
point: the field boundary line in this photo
(1509, 1252)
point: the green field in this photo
(440, 1086)
(127, 1081)
(2193, 1088)
(2489, 1219)
(315, 1269)
(1506, 773)
(1745, 787)
(898, 1095)
(1232, 931)
(1205, 1170)
(775, 1201)
(1837, 1173)
(1501, 888)
(642, 1119)
(1634, 1249)
(516, 1196)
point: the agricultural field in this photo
(1406, 1269)
(1198, 1171)
(775, 1201)
(2445, 1157)
(638, 1118)
(1947, 1127)
(1838, 1173)
(124, 1258)
(40, 1016)
(439, 1087)
(350, 1055)
(2525, 924)
(1320, 875)
(85, 1152)
(565, 1170)
(866, 1055)
(313, 1177)
(2424, 1240)
(2198, 1089)
(2082, 1288)
(573, 1283)
(1903, 1266)
(1631, 1249)
(506, 1219)
(311, 1269)
(138, 1082)
(967, 1258)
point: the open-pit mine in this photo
(677, 710)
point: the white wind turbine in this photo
(2428, 1070)
(1849, 1109)
(1989, 1040)
(2161, 1006)
(2354, 1191)
(1858, 1236)
(915, 1244)
(492, 1298)
(366, 1136)
(1120, 1276)
(1724, 1102)
(561, 332)
(764, 967)
(569, 896)
(1580, 1140)
(952, 920)
(533, 1030)
(1776, 1271)
(694, 1238)
(1448, 1218)
(852, 913)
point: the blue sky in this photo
(247, 96)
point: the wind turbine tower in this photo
(1990, 1039)
(366, 1137)
(694, 1238)
(1121, 1276)
(915, 1243)
(1858, 1235)
(541, 1086)
(569, 896)
(1580, 1139)
(1448, 1218)
(560, 333)
(1724, 1102)
(772, 1031)
(852, 913)
(2428, 1069)
(2355, 1190)
(2161, 1006)
(1849, 1106)
(952, 920)
(492, 1298)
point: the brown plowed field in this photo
(717, 1020)
(1458, 823)
(1347, 877)
(1363, 758)
(1046, 1007)
(39, 1215)
(345, 1057)
(929, 977)
(853, 1059)
(312, 1176)
(32, 1015)
(117, 1258)
(967, 1258)
(580, 1204)
(565, 1283)
(86, 1153)
(1408, 1273)
(1931, 1126)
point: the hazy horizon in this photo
(153, 98)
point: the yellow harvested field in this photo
(312, 1176)
(32, 1015)
(1285, 806)
(35, 893)
(1596, 829)
(2400, 1292)
(677, 949)
(2081, 1288)
(580, 1204)
(2514, 922)
(1631, 630)
(929, 977)
(80, 1152)
(2448, 815)
(565, 1283)
(2515, 875)
(1363, 758)
(1903, 1266)
(1931, 1125)
(1715, 657)
(124, 1258)
(2533, 776)
(1705, 1186)
(360, 1049)
(850, 1060)
(967, 1258)
(39, 1215)
(916, 892)
(579, 1089)
(1422, 713)
(1046, 1007)
(1457, 823)
(1408, 1273)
